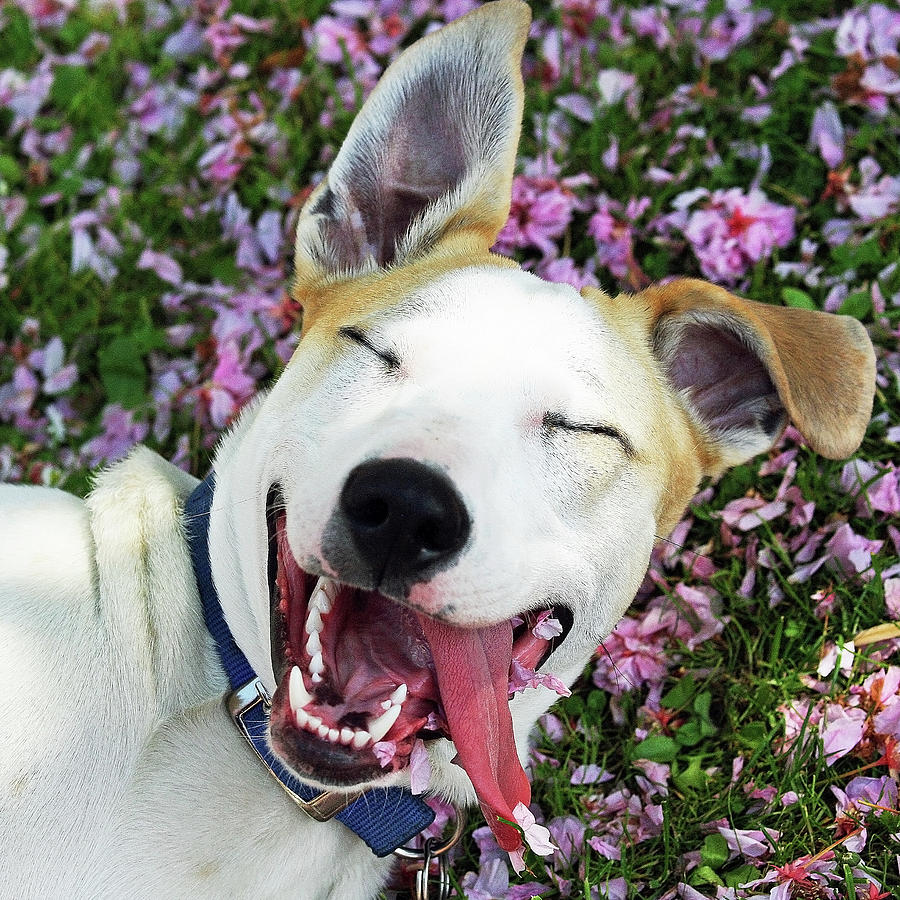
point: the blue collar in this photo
(385, 818)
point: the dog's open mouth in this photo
(361, 678)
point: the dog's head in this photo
(463, 469)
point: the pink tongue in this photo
(472, 668)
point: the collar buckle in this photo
(251, 698)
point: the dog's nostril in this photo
(436, 536)
(371, 513)
(403, 516)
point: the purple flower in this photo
(730, 29)
(120, 433)
(735, 230)
(615, 85)
(419, 768)
(827, 134)
(877, 195)
(852, 552)
(586, 774)
(162, 264)
(522, 678)
(876, 487)
(748, 843)
(541, 211)
(230, 387)
(841, 731)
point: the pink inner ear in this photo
(418, 158)
(726, 382)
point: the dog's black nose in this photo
(404, 518)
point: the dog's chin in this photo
(357, 682)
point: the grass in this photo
(721, 700)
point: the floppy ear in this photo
(431, 152)
(744, 368)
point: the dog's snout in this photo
(403, 517)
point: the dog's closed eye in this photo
(554, 421)
(358, 336)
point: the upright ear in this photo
(743, 369)
(431, 152)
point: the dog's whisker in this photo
(278, 507)
(619, 672)
(683, 547)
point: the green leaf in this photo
(657, 748)
(693, 777)
(714, 852)
(680, 695)
(705, 875)
(122, 369)
(690, 734)
(741, 875)
(68, 83)
(795, 297)
(9, 169)
(858, 305)
(754, 735)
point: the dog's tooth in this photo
(316, 678)
(333, 735)
(319, 601)
(329, 587)
(313, 722)
(314, 644)
(386, 704)
(301, 717)
(379, 727)
(314, 620)
(298, 693)
(322, 731)
(317, 664)
(400, 694)
(347, 735)
(360, 739)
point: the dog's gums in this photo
(362, 677)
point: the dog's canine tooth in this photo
(360, 739)
(347, 735)
(314, 645)
(379, 727)
(317, 664)
(399, 695)
(297, 692)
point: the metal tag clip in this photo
(244, 701)
(433, 851)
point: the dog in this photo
(456, 451)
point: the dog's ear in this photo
(744, 368)
(430, 154)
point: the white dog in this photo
(456, 448)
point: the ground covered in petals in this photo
(738, 735)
